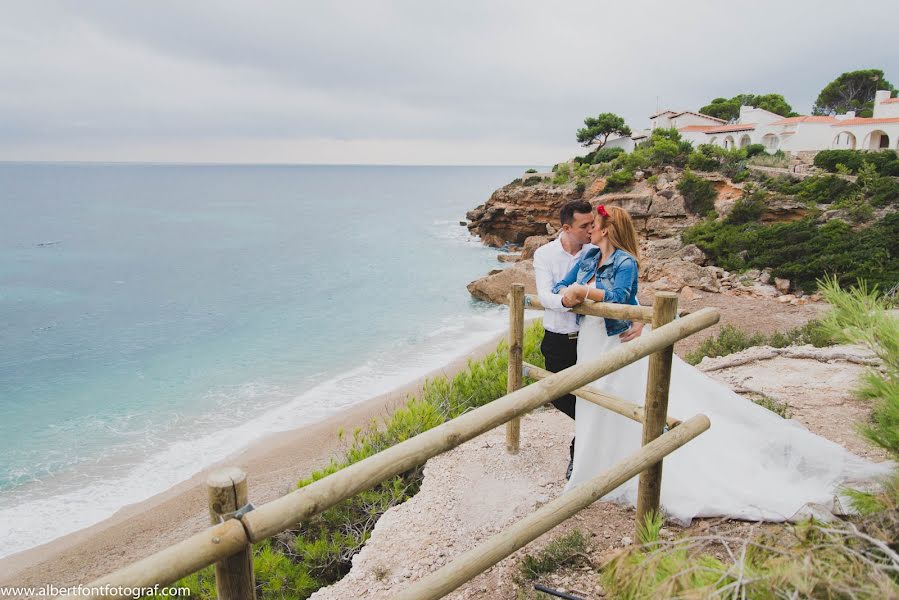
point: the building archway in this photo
(877, 140)
(844, 141)
(714, 140)
(745, 141)
(729, 143)
(771, 142)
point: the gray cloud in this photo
(500, 82)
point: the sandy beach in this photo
(273, 466)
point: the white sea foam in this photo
(30, 517)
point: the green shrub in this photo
(532, 181)
(861, 315)
(813, 333)
(803, 251)
(748, 208)
(883, 191)
(619, 179)
(604, 155)
(829, 159)
(755, 150)
(563, 174)
(703, 159)
(699, 194)
(885, 162)
(825, 189)
(559, 552)
(531, 171)
(729, 340)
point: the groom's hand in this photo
(632, 333)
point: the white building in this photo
(792, 134)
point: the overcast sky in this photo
(398, 82)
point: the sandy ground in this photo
(276, 463)
(273, 465)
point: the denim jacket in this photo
(618, 277)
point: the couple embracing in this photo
(752, 464)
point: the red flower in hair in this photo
(601, 209)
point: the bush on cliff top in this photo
(885, 162)
(802, 251)
(296, 563)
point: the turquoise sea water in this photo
(146, 309)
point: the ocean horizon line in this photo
(252, 164)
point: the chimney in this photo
(880, 96)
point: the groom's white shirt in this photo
(551, 264)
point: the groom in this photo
(552, 262)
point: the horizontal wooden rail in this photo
(613, 403)
(211, 546)
(482, 557)
(609, 310)
(299, 505)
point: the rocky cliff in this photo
(528, 216)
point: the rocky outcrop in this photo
(783, 208)
(516, 211)
(496, 286)
(532, 243)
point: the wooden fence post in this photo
(516, 349)
(234, 579)
(664, 309)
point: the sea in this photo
(155, 319)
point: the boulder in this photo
(495, 287)
(508, 257)
(532, 243)
(691, 253)
(674, 274)
(782, 285)
(671, 205)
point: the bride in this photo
(751, 464)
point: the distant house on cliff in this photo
(790, 134)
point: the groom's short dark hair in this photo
(566, 215)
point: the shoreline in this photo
(273, 464)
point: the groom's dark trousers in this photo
(560, 352)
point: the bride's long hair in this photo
(621, 229)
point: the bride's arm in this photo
(622, 282)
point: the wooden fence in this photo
(236, 525)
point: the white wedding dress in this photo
(751, 464)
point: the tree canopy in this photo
(852, 91)
(598, 129)
(729, 109)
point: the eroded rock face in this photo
(495, 287)
(515, 212)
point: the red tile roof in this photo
(865, 121)
(890, 100)
(731, 128)
(805, 119)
